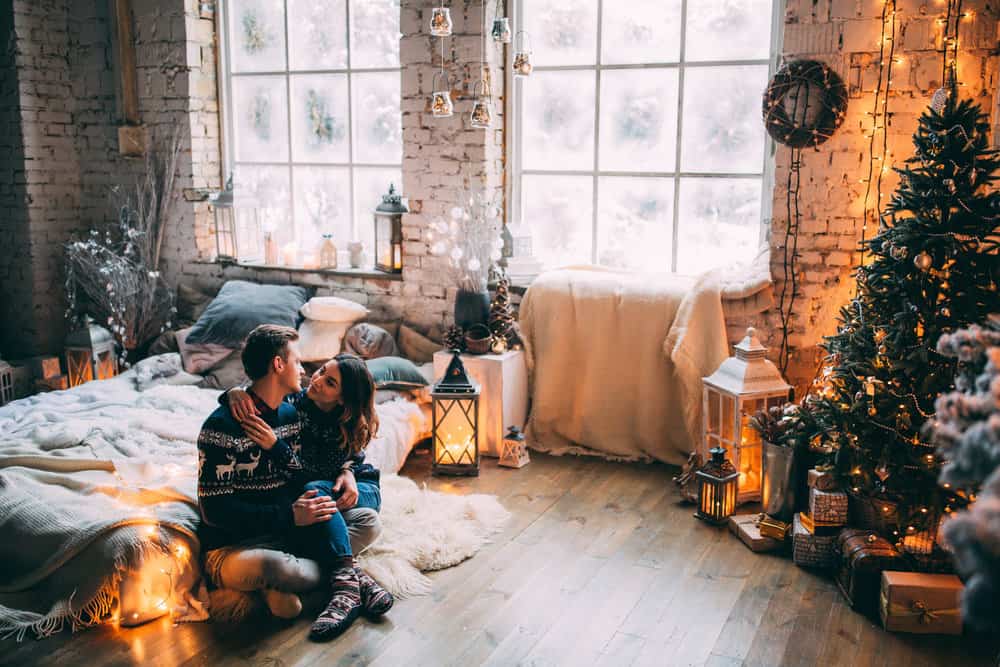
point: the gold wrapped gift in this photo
(773, 528)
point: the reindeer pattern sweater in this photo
(244, 491)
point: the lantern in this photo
(522, 55)
(513, 451)
(501, 30)
(455, 410)
(740, 387)
(441, 104)
(482, 114)
(90, 354)
(389, 232)
(327, 253)
(717, 487)
(6, 382)
(440, 21)
(224, 211)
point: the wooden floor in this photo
(600, 565)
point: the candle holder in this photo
(717, 483)
(482, 112)
(455, 430)
(501, 30)
(522, 55)
(441, 21)
(441, 104)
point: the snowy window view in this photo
(638, 141)
(312, 121)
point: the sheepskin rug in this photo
(426, 530)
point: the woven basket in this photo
(477, 339)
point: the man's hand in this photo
(310, 508)
(349, 498)
(258, 430)
(241, 405)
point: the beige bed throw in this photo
(616, 361)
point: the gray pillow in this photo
(241, 306)
(227, 373)
(369, 341)
(395, 373)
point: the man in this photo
(251, 511)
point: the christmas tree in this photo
(932, 269)
(501, 315)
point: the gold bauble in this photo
(923, 261)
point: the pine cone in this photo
(454, 338)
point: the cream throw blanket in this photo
(616, 361)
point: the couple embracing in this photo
(286, 497)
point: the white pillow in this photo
(320, 341)
(333, 309)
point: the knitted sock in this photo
(375, 600)
(344, 605)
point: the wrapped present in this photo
(822, 528)
(863, 556)
(921, 603)
(810, 550)
(828, 506)
(773, 528)
(821, 479)
(747, 528)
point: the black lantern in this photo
(224, 212)
(389, 232)
(455, 410)
(717, 482)
(90, 354)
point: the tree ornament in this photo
(882, 472)
(858, 397)
(882, 350)
(939, 99)
(945, 312)
(923, 261)
(949, 183)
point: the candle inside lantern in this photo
(309, 261)
(289, 253)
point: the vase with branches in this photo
(113, 273)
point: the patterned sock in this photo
(375, 600)
(344, 605)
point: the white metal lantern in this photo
(6, 382)
(741, 386)
(90, 354)
(455, 431)
(224, 212)
(482, 112)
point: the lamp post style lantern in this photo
(224, 212)
(741, 386)
(513, 451)
(6, 382)
(717, 482)
(90, 354)
(389, 232)
(455, 410)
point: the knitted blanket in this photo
(616, 361)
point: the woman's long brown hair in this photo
(358, 421)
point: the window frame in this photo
(515, 136)
(227, 138)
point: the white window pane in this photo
(559, 112)
(257, 35)
(322, 206)
(260, 118)
(562, 33)
(558, 211)
(638, 119)
(641, 31)
(718, 222)
(728, 30)
(317, 34)
(261, 198)
(375, 33)
(319, 118)
(635, 222)
(378, 128)
(369, 186)
(722, 130)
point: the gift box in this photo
(810, 550)
(822, 528)
(921, 603)
(828, 506)
(821, 479)
(773, 528)
(747, 528)
(863, 556)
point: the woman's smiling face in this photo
(324, 386)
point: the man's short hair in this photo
(263, 344)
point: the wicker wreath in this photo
(801, 82)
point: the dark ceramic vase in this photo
(471, 308)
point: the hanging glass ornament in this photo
(950, 184)
(522, 55)
(501, 30)
(882, 472)
(441, 104)
(923, 261)
(482, 114)
(939, 99)
(441, 21)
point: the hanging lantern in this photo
(741, 386)
(90, 354)
(224, 212)
(6, 382)
(513, 450)
(455, 430)
(389, 232)
(522, 55)
(441, 104)
(440, 21)
(501, 30)
(717, 483)
(482, 113)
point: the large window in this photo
(313, 133)
(637, 142)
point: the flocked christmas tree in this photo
(932, 269)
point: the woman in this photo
(338, 420)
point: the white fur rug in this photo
(426, 530)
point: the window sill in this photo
(366, 273)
